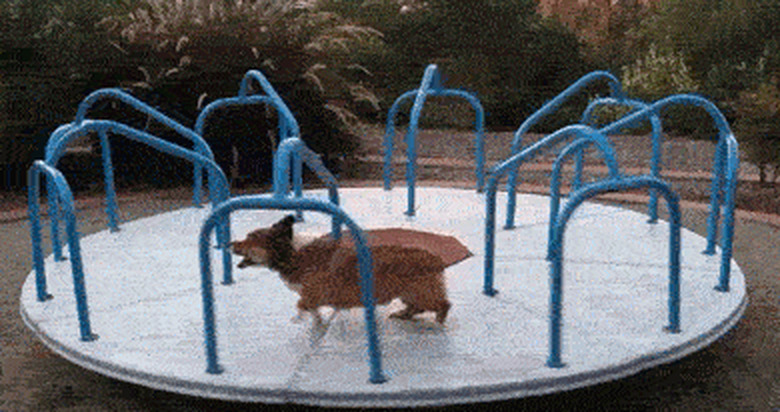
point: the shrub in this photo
(758, 127)
(503, 51)
(190, 52)
(50, 53)
(661, 73)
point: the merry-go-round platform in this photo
(144, 291)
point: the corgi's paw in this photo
(318, 321)
(298, 318)
(405, 314)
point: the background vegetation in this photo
(337, 61)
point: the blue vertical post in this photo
(33, 195)
(54, 220)
(715, 197)
(297, 165)
(108, 178)
(728, 218)
(79, 287)
(490, 236)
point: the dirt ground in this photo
(740, 372)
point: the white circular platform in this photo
(143, 286)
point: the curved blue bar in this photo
(546, 109)
(479, 132)
(234, 101)
(685, 99)
(109, 126)
(295, 148)
(556, 280)
(63, 192)
(286, 203)
(245, 100)
(555, 182)
(728, 218)
(54, 211)
(429, 86)
(657, 135)
(269, 90)
(117, 94)
(429, 81)
(498, 171)
(389, 134)
(576, 130)
(726, 158)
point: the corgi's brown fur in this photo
(325, 273)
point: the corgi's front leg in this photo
(303, 307)
(298, 318)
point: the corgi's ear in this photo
(284, 227)
(287, 221)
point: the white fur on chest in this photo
(302, 239)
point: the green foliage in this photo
(661, 73)
(658, 74)
(511, 57)
(758, 126)
(190, 52)
(50, 52)
(730, 45)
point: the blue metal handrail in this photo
(294, 151)
(200, 122)
(575, 147)
(286, 203)
(559, 226)
(288, 125)
(199, 144)
(265, 85)
(656, 136)
(103, 127)
(429, 86)
(61, 190)
(501, 169)
(547, 109)
(724, 174)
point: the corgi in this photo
(325, 273)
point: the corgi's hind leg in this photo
(304, 306)
(431, 295)
(441, 312)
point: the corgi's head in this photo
(270, 247)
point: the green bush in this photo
(50, 52)
(191, 52)
(503, 51)
(661, 73)
(758, 127)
